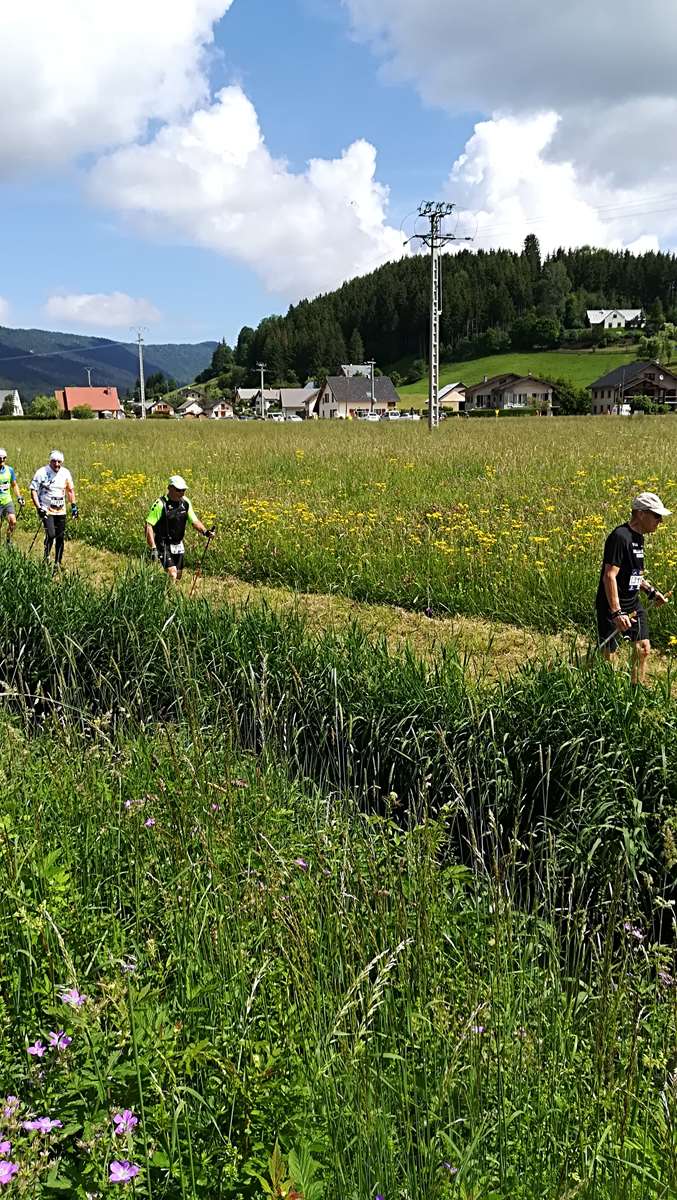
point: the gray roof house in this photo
(634, 379)
(299, 401)
(343, 397)
(12, 394)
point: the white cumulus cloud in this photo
(104, 310)
(506, 185)
(211, 180)
(582, 102)
(4, 310)
(82, 75)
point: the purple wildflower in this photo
(5, 1148)
(216, 807)
(59, 1040)
(73, 997)
(37, 1049)
(7, 1172)
(378, 1196)
(633, 931)
(42, 1125)
(128, 965)
(125, 1121)
(12, 1103)
(149, 822)
(428, 611)
(449, 1169)
(477, 1029)
(666, 979)
(122, 1172)
(301, 863)
(128, 803)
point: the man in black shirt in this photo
(618, 605)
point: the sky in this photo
(191, 166)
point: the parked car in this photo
(390, 416)
(410, 416)
(293, 417)
(363, 414)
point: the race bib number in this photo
(176, 547)
(634, 582)
(57, 502)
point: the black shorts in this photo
(638, 631)
(7, 510)
(167, 559)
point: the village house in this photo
(299, 402)
(343, 396)
(190, 409)
(251, 397)
(451, 397)
(17, 406)
(102, 401)
(160, 408)
(219, 410)
(510, 391)
(620, 386)
(350, 370)
(615, 318)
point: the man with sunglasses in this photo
(51, 486)
(8, 484)
(620, 612)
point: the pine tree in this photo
(356, 347)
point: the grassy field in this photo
(503, 521)
(580, 367)
(284, 914)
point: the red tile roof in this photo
(99, 399)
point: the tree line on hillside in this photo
(492, 301)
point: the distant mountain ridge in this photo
(40, 360)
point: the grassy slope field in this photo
(504, 521)
(580, 367)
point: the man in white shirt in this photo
(51, 486)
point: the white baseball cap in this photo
(56, 454)
(650, 502)
(178, 482)
(3, 452)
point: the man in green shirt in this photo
(166, 525)
(8, 484)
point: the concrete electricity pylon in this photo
(435, 212)
(142, 381)
(262, 368)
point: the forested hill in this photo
(40, 360)
(491, 300)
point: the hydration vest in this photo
(172, 524)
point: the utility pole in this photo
(142, 382)
(88, 372)
(372, 396)
(435, 240)
(262, 368)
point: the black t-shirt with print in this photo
(623, 549)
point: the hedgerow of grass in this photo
(554, 751)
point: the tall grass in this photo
(266, 963)
(500, 519)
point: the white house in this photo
(510, 391)
(342, 397)
(251, 397)
(615, 318)
(220, 410)
(452, 397)
(191, 407)
(12, 395)
(350, 370)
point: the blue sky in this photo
(193, 167)
(315, 90)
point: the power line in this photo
(57, 353)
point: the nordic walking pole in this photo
(35, 536)
(200, 565)
(632, 618)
